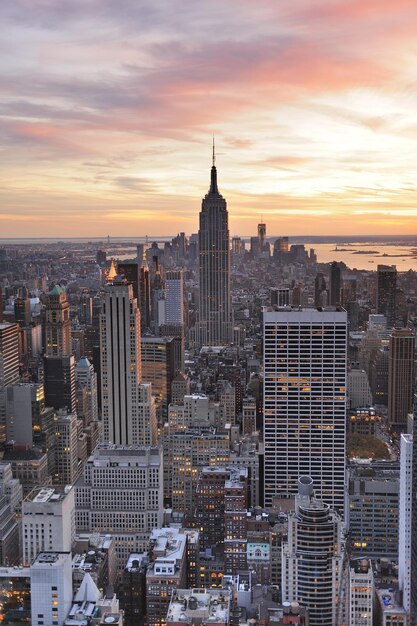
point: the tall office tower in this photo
(1, 305)
(48, 521)
(59, 382)
(312, 561)
(67, 465)
(101, 257)
(174, 297)
(140, 249)
(121, 494)
(281, 247)
(372, 508)
(215, 314)
(405, 521)
(57, 323)
(128, 409)
(238, 247)
(59, 365)
(401, 377)
(305, 402)
(387, 292)
(358, 389)
(378, 375)
(280, 296)
(29, 422)
(85, 308)
(262, 237)
(320, 290)
(131, 273)
(335, 284)
(144, 302)
(9, 368)
(22, 312)
(160, 362)
(413, 565)
(51, 588)
(86, 379)
(361, 593)
(214, 494)
(186, 453)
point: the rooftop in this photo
(199, 606)
(48, 494)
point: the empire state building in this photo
(215, 317)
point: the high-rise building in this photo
(57, 324)
(121, 494)
(320, 290)
(358, 388)
(86, 378)
(59, 364)
(48, 521)
(59, 382)
(281, 296)
(262, 236)
(387, 292)
(22, 312)
(51, 587)
(67, 465)
(372, 508)
(361, 593)
(335, 284)
(128, 408)
(413, 564)
(9, 368)
(160, 362)
(215, 314)
(144, 302)
(312, 560)
(305, 402)
(405, 518)
(29, 422)
(131, 273)
(401, 377)
(174, 297)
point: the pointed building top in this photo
(88, 591)
(213, 183)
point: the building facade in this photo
(305, 355)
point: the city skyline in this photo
(107, 115)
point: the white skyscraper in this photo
(305, 402)
(174, 297)
(51, 588)
(48, 521)
(86, 378)
(405, 521)
(127, 405)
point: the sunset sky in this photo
(107, 110)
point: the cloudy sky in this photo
(107, 111)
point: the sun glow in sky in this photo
(107, 109)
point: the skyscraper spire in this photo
(213, 183)
(215, 313)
